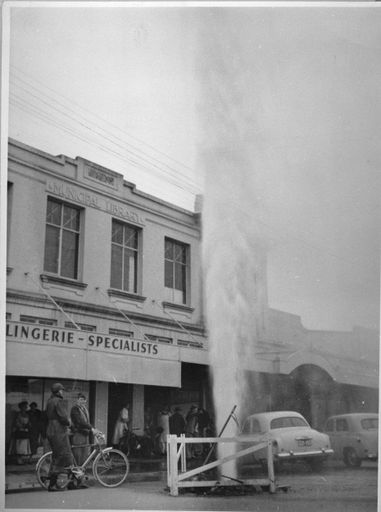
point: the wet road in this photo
(335, 489)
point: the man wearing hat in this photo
(177, 422)
(57, 433)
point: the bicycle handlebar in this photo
(99, 438)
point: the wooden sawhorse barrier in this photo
(177, 479)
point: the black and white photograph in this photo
(190, 247)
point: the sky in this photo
(278, 105)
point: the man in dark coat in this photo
(58, 436)
(177, 422)
(203, 421)
(81, 429)
(35, 431)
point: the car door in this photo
(330, 429)
(343, 435)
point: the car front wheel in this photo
(351, 459)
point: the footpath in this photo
(23, 477)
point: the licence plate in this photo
(304, 442)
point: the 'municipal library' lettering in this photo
(39, 333)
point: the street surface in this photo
(335, 489)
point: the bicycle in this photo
(130, 444)
(110, 466)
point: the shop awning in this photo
(54, 352)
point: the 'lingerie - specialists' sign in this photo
(56, 336)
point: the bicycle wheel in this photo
(43, 468)
(111, 467)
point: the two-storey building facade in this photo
(103, 291)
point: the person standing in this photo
(163, 423)
(35, 418)
(81, 429)
(58, 436)
(177, 422)
(191, 430)
(120, 436)
(21, 433)
(203, 419)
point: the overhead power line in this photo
(72, 102)
(141, 157)
(47, 117)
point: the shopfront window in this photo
(35, 390)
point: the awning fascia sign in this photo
(90, 341)
(53, 351)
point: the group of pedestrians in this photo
(153, 442)
(28, 432)
(196, 423)
(70, 434)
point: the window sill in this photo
(125, 295)
(46, 278)
(180, 307)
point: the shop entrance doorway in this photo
(118, 396)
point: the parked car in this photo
(293, 438)
(354, 437)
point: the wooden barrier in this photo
(177, 479)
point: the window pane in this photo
(168, 294)
(369, 423)
(52, 241)
(179, 276)
(168, 274)
(116, 266)
(341, 425)
(130, 237)
(129, 271)
(69, 254)
(169, 250)
(256, 427)
(178, 297)
(53, 213)
(117, 232)
(71, 218)
(179, 253)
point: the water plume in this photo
(233, 241)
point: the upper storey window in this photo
(176, 269)
(124, 257)
(62, 239)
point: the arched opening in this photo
(313, 389)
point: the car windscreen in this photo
(251, 426)
(369, 423)
(288, 421)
